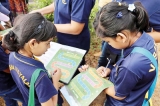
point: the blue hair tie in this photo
(119, 15)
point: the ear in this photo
(121, 37)
(32, 43)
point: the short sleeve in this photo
(45, 89)
(125, 82)
(4, 60)
(81, 10)
(154, 20)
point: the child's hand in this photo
(56, 74)
(83, 68)
(103, 72)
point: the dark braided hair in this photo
(26, 27)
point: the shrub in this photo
(40, 4)
(91, 18)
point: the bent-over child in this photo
(123, 27)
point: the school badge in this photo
(64, 2)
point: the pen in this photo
(109, 60)
(54, 72)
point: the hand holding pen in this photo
(56, 74)
(104, 71)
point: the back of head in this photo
(115, 17)
(27, 27)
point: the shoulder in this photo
(43, 77)
(44, 88)
(11, 55)
(147, 42)
(137, 63)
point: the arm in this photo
(73, 28)
(102, 61)
(103, 72)
(45, 10)
(55, 78)
(56, 74)
(111, 92)
(124, 82)
(46, 91)
(51, 102)
(155, 35)
(80, 11)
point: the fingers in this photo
(80, 69)
(55, 70)
(101, 71)
(56, 74)
(83, 68)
